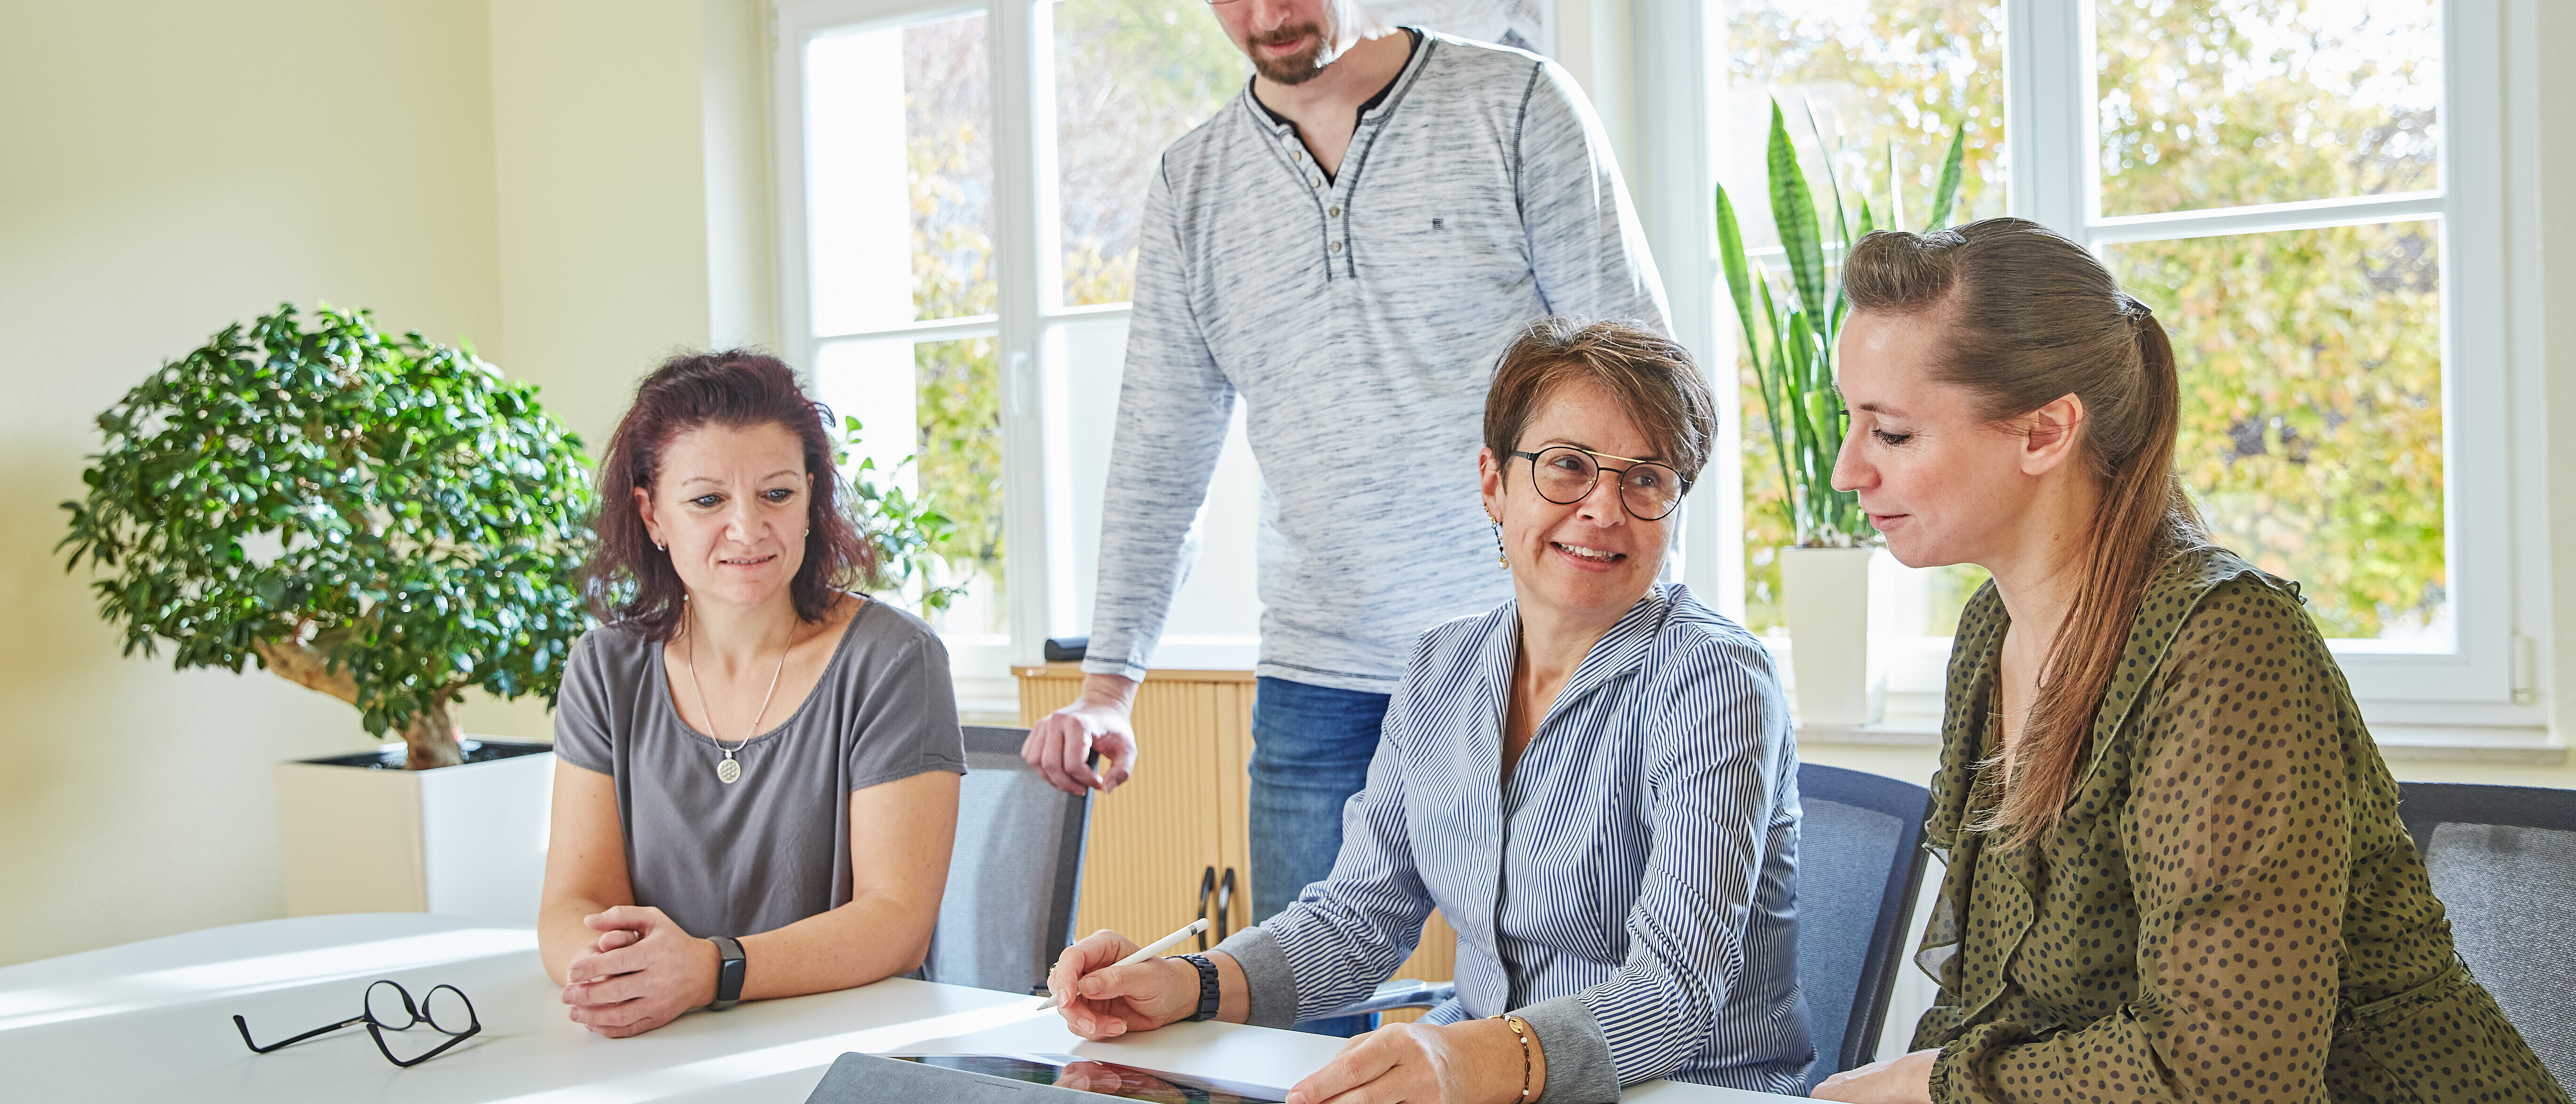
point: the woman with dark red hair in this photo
(757, 771)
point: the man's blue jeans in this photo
(1311, 747)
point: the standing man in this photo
(1346, 246)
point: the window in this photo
(960, 191)
(2305, 191)
(1872, 93)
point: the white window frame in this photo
(1029, 285)
(2483, 693)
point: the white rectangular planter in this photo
(467, 840)
(1837, 634)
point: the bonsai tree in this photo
(384, 520)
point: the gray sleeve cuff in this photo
(1578, 1054)
(1273, 987)
(1107, 666)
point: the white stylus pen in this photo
(1145, 952)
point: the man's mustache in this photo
(1284, 35)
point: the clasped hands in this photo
(1477, 1062)
(641, 973)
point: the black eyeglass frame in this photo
(376, 1028)
(1597, 468)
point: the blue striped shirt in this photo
(1630, 887)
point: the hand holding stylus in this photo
(1106, 986)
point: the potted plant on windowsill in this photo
(384, 520)
(1825, 579)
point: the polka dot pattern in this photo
(2229, 910)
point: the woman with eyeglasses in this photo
(2175, 866)
(1595, 783)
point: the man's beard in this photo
(1296, 68)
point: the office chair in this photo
(2503, 861)
(1860, 863)
(1015, 873)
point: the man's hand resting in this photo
(1061, 743)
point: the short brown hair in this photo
(1651, 375)
(627, 579)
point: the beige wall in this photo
(577, 185)
(170, 168)
(2550, 151)
(534, 176)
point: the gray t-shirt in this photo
(774, 847)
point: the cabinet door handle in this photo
(1224, 903)
(1207, 889)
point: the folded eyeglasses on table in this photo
(389, 1007)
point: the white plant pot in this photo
(467, 840)
(1838, 662)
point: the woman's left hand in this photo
(1906, 1080)
(642, 973)
(1464, 1063)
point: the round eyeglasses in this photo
(1565, 475)
(387, 1006)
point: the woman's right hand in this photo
(1103, 1000)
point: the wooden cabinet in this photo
(1180, 825)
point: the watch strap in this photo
(1208, 988)
(729, 971)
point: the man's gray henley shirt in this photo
(1358, 316)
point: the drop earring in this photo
(1502, 556)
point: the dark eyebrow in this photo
(1587, 448)
(712, 479)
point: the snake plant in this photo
(1792, 348)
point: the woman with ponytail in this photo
(2175, 867)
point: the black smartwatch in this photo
(1208, 989)
(728, 972)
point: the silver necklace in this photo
(729, 771)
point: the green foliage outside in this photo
(2310, 360)
(382, 519)
(1890, 90)
(957, 384)
(1132, 75)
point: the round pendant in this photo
(728, 772)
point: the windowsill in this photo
(2514, 746)
(1918, 666)
(987, 714)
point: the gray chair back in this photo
(2503, 861)
(1860, 861)
(1014, 875)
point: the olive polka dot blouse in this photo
(2229, 909)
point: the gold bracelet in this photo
(1520, 1030)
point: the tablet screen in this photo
(1105, 1078)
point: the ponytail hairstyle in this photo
(2033, 317)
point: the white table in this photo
(153, 1021)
